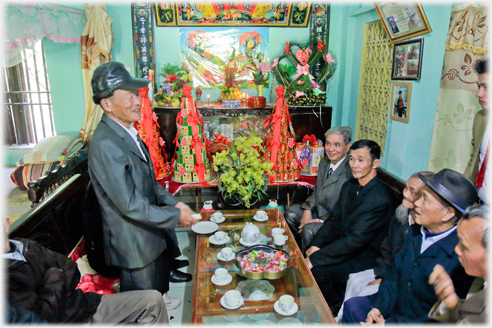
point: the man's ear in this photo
(376, 163)
(450, 213)
(106, 105)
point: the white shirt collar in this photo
(429, 241)
(16, 254)
(335, 166)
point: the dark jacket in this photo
(405, 294)
(46, 283)
(356, 227)
(137, 211)
(391, 244)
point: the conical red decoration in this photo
(279, 142)
(192, 163)
(149, 133)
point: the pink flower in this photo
(329, 59)
(275, 62)
(264, 68)
(299, 93)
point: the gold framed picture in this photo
(402, 20)
(401, 94)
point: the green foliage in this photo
(243, 173)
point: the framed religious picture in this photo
(401, 93)
(407, 60)
(402, 20)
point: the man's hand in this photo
(443, 286)
(374, 317)
(311, 250)
(185, 219)
(308, 263)
(307, 217)
(374, 282)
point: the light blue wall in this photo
(407, 145)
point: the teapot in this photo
(273, 204)
(207, 206)
(251, 233)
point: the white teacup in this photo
(221, 274)
(233, 298)
(226, 252)
(277, 231)
(220, 236)
(261, 214)
(286, 302)
(279, 239)
(217, 216)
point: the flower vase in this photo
(260, 91)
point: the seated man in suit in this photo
(367, 282)
(333, 171)
(472, 253)
(405, 296)
(42, 286)
(353, 231)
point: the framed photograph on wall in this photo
(401, 94)
(402, 20)
(407, 60)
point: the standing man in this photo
(472, 253)
(333, 171)
(139, 215)
(351, 236)
(476, 169)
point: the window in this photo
(29, 115)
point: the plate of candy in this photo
(262, 262)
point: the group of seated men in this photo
(379, 260)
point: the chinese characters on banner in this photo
(320, 21)
(143, 41)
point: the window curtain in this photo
(457, 105)
(25, 24)
(96, 45)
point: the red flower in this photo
(171, 78)
(320, 45)
(287, 47)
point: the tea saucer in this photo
(244, 243)
(256, 218)
(223, 303)
(226, 281)
(215, 242)
(219, 220)
(292, 311)
(221, 257)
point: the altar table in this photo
(297, 282)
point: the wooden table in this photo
(298, 281)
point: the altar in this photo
(297, 281)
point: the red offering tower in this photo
(149, 133)
(279, 142)
(191, 163)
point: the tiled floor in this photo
(182, 314)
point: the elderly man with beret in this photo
(405, 295)
(139, 215)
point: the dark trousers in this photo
(155, 275)
(332, 280)
(356, 309)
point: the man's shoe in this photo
(171, 302)
(178, 276)
(180, 263)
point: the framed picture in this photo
(401, 93)
(407, 60)
(402, 20)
